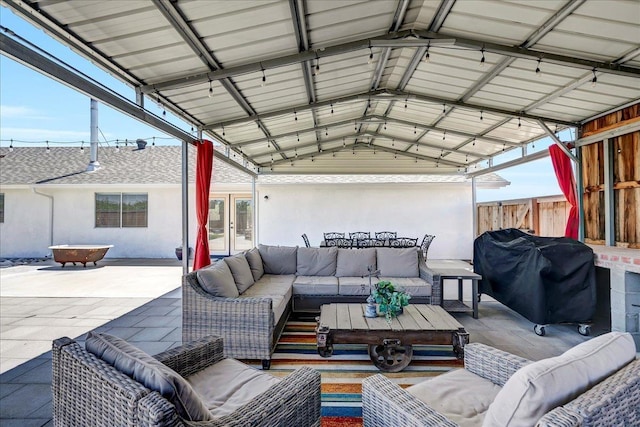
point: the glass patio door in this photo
(230, 223)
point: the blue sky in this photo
(34, 108)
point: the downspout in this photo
(50, 197)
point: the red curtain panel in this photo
(204, 168)
(564, 172)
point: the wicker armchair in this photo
(613, 401)
(89, 392)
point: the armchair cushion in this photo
(151, 373)
(278, 259)
(398, 262)
(460, 395)
(240, 271)
(317, 261)
(218, 280)
(255, 263)
(229, 384)
(354, 262)
(539, 387)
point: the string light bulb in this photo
(538, 70)
(48, 150)
(519, 123)
(482, 60)
(210, 89)
(81, 146)
(153, 142)
(264, 79)
(370, 61)
(11, 146)
(427, 57)
(594, 80)
(331, 108)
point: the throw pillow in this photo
(537, 388)
(278, 259)
(398, 262)
(317, 261)
(255, 263)
(149, 372)
(240, 271)
(354, 262)
(218, 280)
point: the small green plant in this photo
(389, 300)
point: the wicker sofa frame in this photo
(247, 324)
(89, 392)
(613, 401)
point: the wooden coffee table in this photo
(390, 345)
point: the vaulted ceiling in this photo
(386, 86)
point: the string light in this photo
(444, 135)
(370, 61)
(11, 146)
(295, 115)
(385, 125)
(355, 125)
(427, 58)
(415, 129)
(344, 143)
(210, 89)
(474, 141)
(298, 136)
(405, 102)
(48, 150)
(81, 146)
(153, 142)
(295, 152)
(482, 60)
(519, 124)
(594, 80)
(538, 70)
(317, 65)
(331, 107)
(223, 134)
(444, 108)
(481, 114)
(264, 77)
(393, 142)
(326, 131)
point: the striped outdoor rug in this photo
(343, 372)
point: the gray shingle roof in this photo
(162, 165)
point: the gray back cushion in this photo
(240, 271)
(354, 262)
(317, 261)
(255, 263)
(398, 262)
(149, 372)
(278, 259)
(218, 280)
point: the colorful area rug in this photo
(343, 372)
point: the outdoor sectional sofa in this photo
(246, 298)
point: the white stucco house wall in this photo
(50, 199)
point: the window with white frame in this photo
(120, 210)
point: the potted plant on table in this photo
(390, 301)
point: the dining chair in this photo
(333, 235)
(360, 235)
(426, 242)
(340, 242)
(403, 242)
(386, 234)
(306, 240)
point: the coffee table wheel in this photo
(539, 330)
(390, 356)
(325, 351)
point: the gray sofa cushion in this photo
(149, 372)
(398, 262)
(317, 261)
(218, 280)
(278, 259)
(240, 271)
(355, 285)
(315, 285)
(354, 262)
(414, 286)
(255, 263)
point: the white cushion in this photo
(398, 262)
(229, 384)
(217, 280)
(541, 386)
(240, 271)
(459, 395)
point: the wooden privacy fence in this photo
(542, 216)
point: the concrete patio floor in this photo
(140, 301)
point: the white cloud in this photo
(21, 112)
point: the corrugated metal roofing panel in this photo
(176, 48)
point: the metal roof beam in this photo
(307, 145)
(398, 18)
(16, 51)
(424, 144)
(531, 157)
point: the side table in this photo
(457, 306)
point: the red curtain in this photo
(566, 181)
(204, 168)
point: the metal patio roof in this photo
(386, 86)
